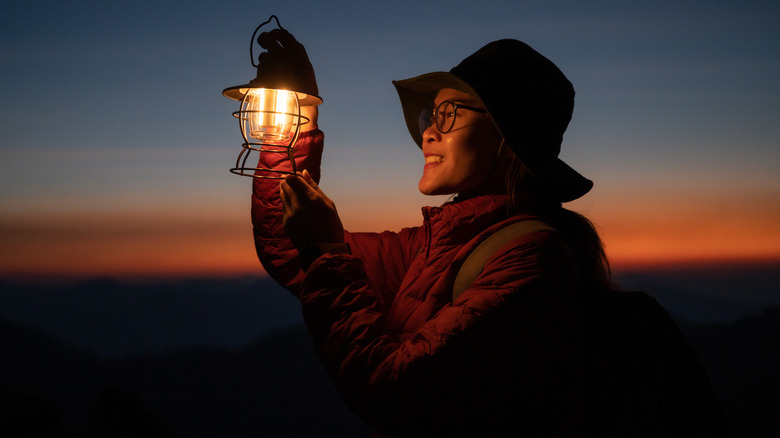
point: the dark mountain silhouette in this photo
(709, 293)
(274, 387)
(117, 318)
(229, 357)
(743, 361)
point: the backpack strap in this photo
(475, 262)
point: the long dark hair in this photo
(528, 195)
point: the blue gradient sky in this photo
(114, 133)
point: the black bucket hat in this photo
(527, 96)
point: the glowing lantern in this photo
(269, 114)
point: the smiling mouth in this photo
(429, 159)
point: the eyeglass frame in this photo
(426, 120)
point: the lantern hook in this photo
(252, 41)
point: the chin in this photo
(429, 191)
(434, 188)
(435, 192)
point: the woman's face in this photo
(464, 160)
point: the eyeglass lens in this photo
(424, 121)
(443, 116)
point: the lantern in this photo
(269, 113)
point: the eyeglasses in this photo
(443, 115)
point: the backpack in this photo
(642, 377)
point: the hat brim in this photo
(418, 93)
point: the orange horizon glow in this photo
(219, 244)
(112, 246)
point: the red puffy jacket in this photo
(409, 361)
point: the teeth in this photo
(433, 159)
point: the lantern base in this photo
(260, 172)
(264, 147)
(245, 169)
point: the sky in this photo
(115, 140)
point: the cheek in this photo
(477, 153)
(476, 168)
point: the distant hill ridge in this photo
(274, 385)
(112, 317)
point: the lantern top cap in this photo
(283, 73)
(239, 91)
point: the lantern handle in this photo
(252, 42)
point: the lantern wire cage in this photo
(281, 120)
(243, 166)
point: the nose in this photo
(431, 134)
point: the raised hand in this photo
(310, 217)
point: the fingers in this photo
(286, 38)
(313, 184)
(269, 40)
(288, 198)
(309, 216)
(305, 174)
(299, 187)
(283, 54)
(276, 39)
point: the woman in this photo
(505, 354)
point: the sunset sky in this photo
(115, 140)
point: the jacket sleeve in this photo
(512, 334)
(386, 255)
(275, 251)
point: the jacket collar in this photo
(458, 221)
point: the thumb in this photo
(309, 180)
